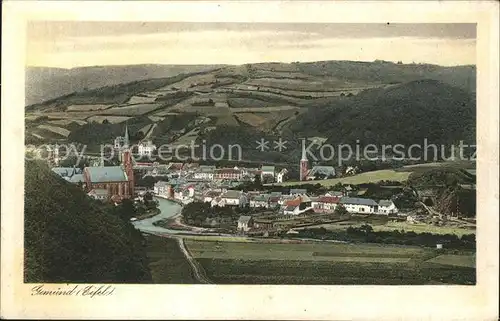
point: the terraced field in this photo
(132, 110)
(87, 107)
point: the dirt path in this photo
(198, 271)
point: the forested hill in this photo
(70, 238)
(401, 114)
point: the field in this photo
(58, 130)
(86, 107)
(111, 119)
(318, 263)
(455, 260)
(132, 110)
(382, 223)
(423, 228)
(468, 165)
(167, 263)
(66, 122)
(367, 177)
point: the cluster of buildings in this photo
(106, 183)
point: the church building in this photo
(117, 180)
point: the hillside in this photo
(43, 83)
(70, 238)
(403, 114)
(379, 102)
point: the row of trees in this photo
(365, 233)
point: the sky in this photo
(77, 44)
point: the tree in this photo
(105, 121)
(257, 181)
(341, 210)
(126, 209)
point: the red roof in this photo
(177, 166)
(328, 199)
(294, 202)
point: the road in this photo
(198, 271)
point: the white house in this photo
(146, 148)
(205, 172)
(298, 206)
(324, 171)
(218, 201)
(267, 171)
(387, 207)
(359, 205)
(260, 201)
(161, 188)
(281, 175)
(210, 195)
(231, 198)
(325, 204)
(98, 194)
(245, 223)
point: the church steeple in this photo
(304, 157)
(126, 138)
(304, 165)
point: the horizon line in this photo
(252, 63)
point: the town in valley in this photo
(255, 172)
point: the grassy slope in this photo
(167, 263)
(71, 238)
(367, 177)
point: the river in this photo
(167, 210)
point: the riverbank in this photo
(149, 214)
(175, 222)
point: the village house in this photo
(297, 206)
(231, 198)
(71, 174)
(146, 148)
(205, 172)
(100, 194)
(260, 201)
(267, 171)
(387, 207)
(218, 201)
(245, 223)
(325, 204)
(359, 205)
(162, 188)
(175, 167)
(281, 175)
(250, 173)
(228, 174)
(334, 193)
(323, 171)
(210, 195)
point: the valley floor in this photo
(230, 262)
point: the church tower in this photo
(304, 165)
(126, 156)
(126, 138)
(129, 170)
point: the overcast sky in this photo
(74, 44)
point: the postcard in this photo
(250, 160)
